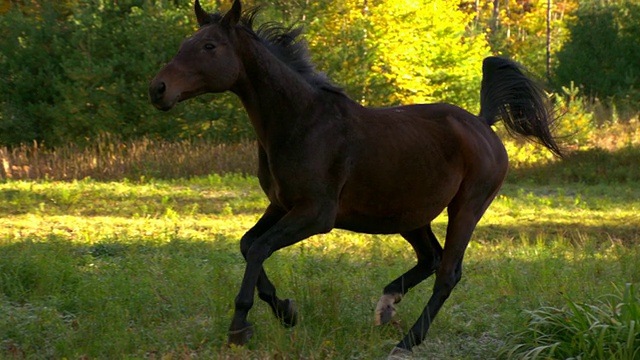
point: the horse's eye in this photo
(209, 46)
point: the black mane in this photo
(285, 43)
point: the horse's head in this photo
(206, 62)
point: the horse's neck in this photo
(274, 96)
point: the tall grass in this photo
(110, 159)
(608, 329)
(611, 153)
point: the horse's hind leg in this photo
(448, 275)
(464, 212)
(429, 253)
(284, 310)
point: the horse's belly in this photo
(375, 211)
(393, 224)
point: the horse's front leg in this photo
(284, 310)
(298, 224)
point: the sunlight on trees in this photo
(426, 52)
(400, 52)
(521, 31)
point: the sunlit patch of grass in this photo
(208, 195)
(565, 212)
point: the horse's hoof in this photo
(400, 354)
(385, 311)
(287, 313)
(384, 315)
(240, 337)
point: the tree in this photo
(72, 78)
(518, 29)
(397, 51)
(426, 51)
(603, 51)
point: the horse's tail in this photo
(507, 94)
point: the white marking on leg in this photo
(385, 309)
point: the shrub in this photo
(602, 54)
(72, 77)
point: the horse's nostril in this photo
(157, 94)
(157, 90)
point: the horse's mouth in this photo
(165, 100)
(166, 104)
(163, 107)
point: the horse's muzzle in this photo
(157, 95)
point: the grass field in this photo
(149, 269)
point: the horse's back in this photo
(400, 155)
(434, 138)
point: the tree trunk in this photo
(548, 41)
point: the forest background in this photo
(77, 71)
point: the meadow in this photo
(149, 268)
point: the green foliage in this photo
(575, 122)
(602, 53)
(78, 70)
(608, 330)
(72, 78)
(399, 52)
(426, 52)
(338, 36)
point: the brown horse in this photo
(327, 162)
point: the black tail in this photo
(507, 94)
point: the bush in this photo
(73, 77)
(602, 54)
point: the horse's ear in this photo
(232, 17)
(203, 17)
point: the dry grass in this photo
(114, 160)
(110, 159)
(613, 137)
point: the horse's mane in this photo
(285, 43)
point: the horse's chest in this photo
(278, 187)
(290, 181)
(271, 190)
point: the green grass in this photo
(608, 329)
(150, 269)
